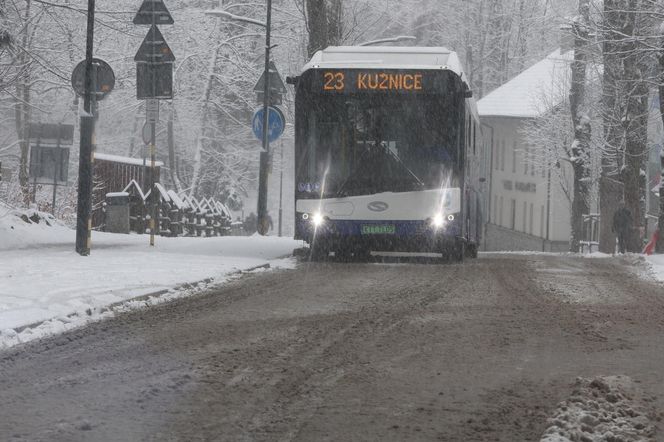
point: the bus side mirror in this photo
(292, 80)
(468, 93)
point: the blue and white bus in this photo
(388, 153)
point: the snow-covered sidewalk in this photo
(43, 279)
(657, 264)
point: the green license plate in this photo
(378, 229)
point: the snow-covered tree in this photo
(579, 150)
(628, 33)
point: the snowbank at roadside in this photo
(607, 408)
(44, 282)
(597, 255)
(21, 229)
(657, 266)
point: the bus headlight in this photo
(450, 217)
(317, 219)
(438, 221)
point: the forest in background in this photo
(218, 63)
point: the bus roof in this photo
(386, 57)
(390, 57)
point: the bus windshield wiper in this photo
(400, 161)
(340, 192)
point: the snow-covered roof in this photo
(116, 194)
(533, 92)
(196, 204)
(176, 199)
(187, 201)
(224, 210)
(163, 192)
(134, 184)
(386, 57)
(124, 160)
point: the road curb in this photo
(156, 294)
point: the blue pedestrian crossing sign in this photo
(276, 123)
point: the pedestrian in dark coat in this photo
(622, 225)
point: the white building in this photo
(528, 209)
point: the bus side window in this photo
(312, 140)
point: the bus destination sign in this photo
(351, 81)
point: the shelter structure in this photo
(112, 173)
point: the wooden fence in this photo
(178, 215)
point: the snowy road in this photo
(483, 351)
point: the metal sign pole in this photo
(41, 166)
(153, 193)
(152, 57)
(83, 222)
(153, 136)
(281, 185)
(262, 223)
(57, 167)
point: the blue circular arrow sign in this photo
(276, 123)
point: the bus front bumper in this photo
(384, 235)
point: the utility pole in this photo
(83, 221)
(281, 186)
(263, 173)
(548, 209)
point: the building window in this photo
(530, 225)
(502, 155)
(495, 209)
(496, 154)
(525, 161)
(514, 157)
(525, 208)
(474, 138)
(542, 222)
(500, 215)
(513, 215)
(469, 134)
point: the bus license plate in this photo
(381, 229)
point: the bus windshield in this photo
(368, 144)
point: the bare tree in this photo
(610, 190)
(635, 120)
(626, 29)
(660, 221)
(22, 98)
(324, 23)
(581, 122)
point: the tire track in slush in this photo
(480, 351)
(330, 352)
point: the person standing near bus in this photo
(622, 225)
